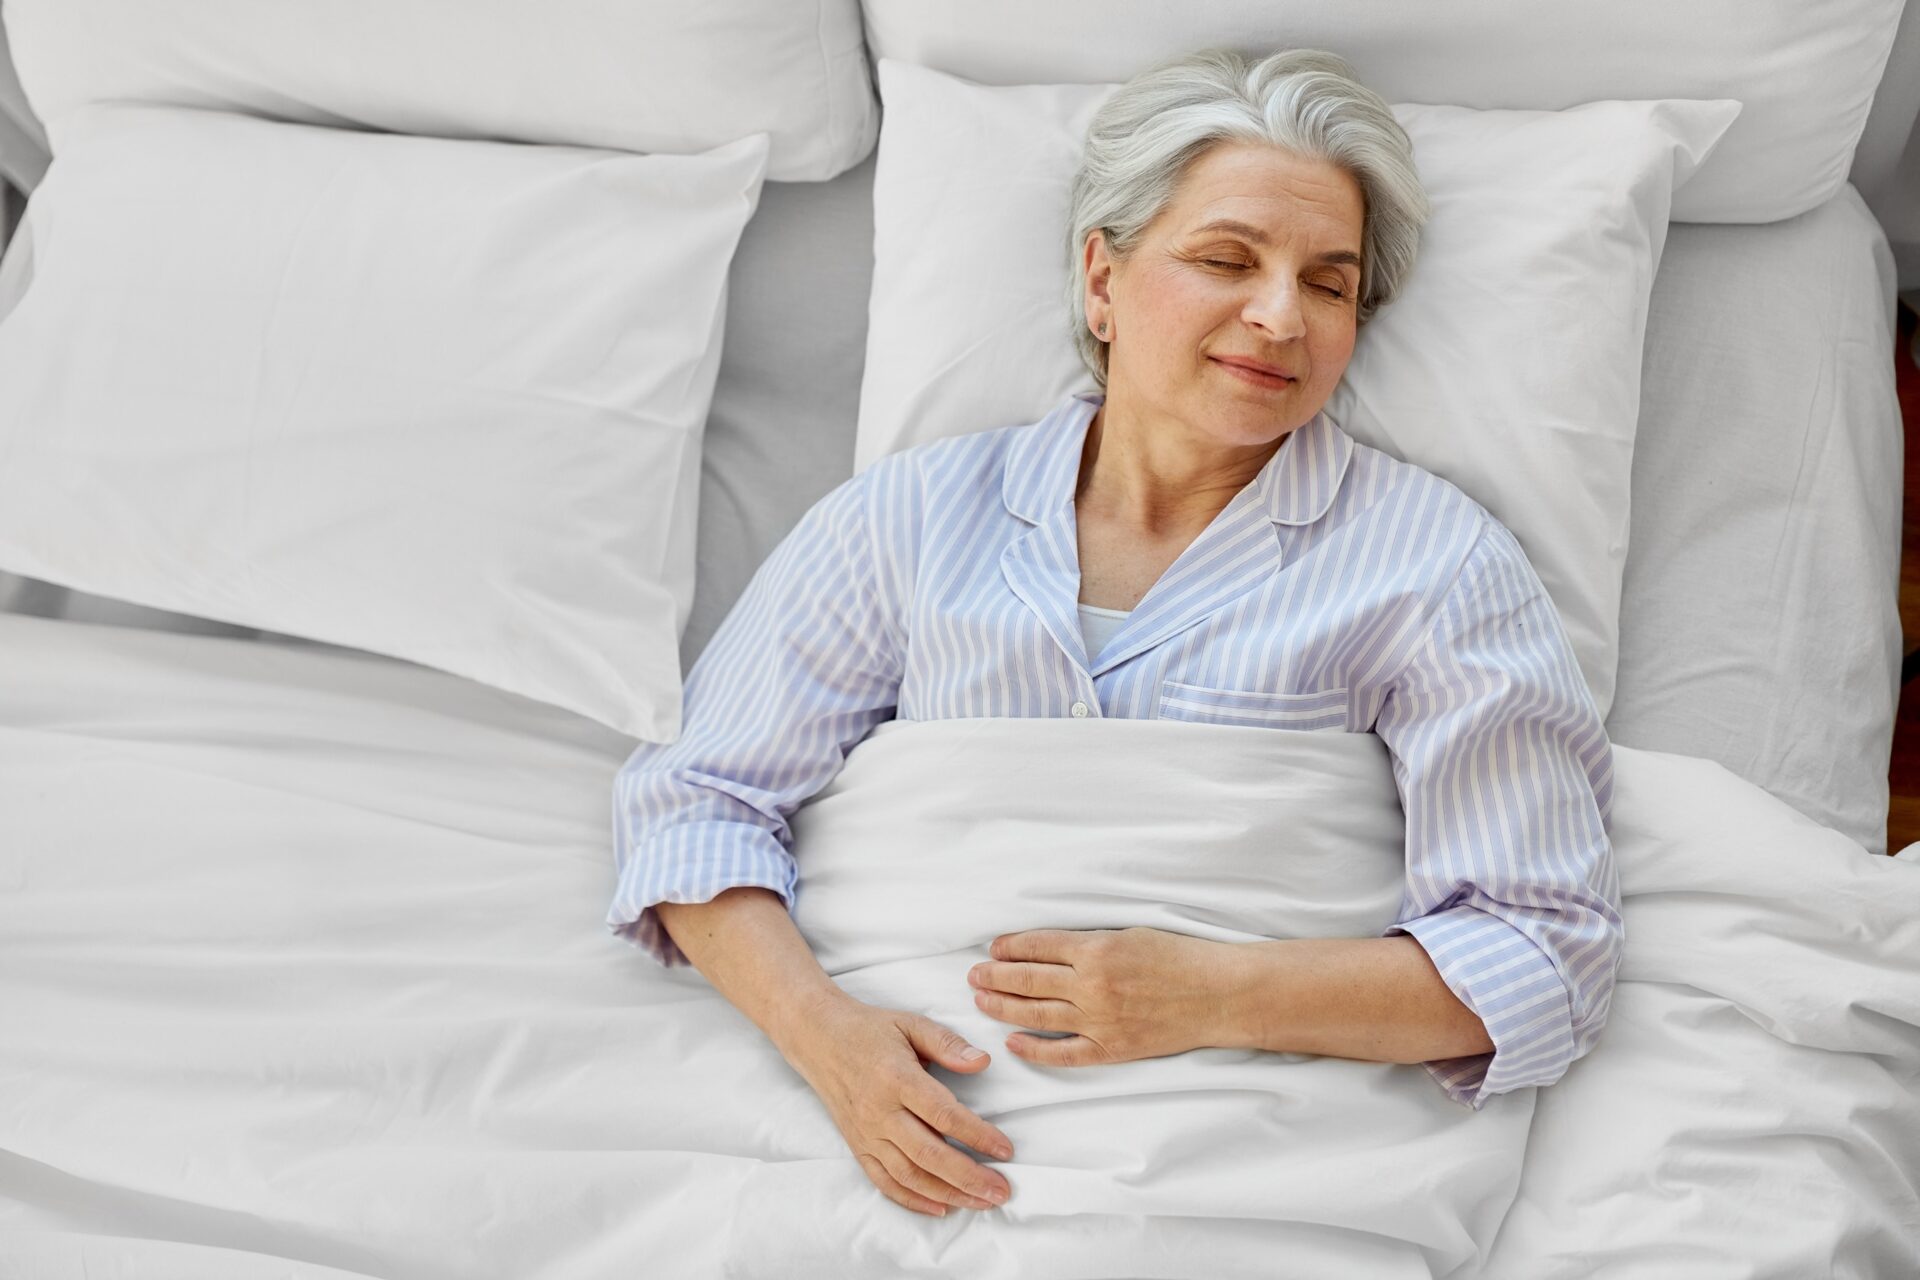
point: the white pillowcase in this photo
(1804, 74)
(638, 75)
(1509, 364)
(441, 400)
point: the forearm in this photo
(745, 943)
(1375, 999)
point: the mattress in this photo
(1766, 491)
(302, 963)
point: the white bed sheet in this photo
(302, 964)
(1759, 617)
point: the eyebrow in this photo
(1258, 236)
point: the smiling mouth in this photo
(1255, 376)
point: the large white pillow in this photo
(638, 75)
(1509, 365)
(440, 400)
(1804, 73)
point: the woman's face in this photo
(1279, 290)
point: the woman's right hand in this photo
(865, 1063)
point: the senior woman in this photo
(1232, 556)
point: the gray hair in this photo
(1306, 101)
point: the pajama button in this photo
(1079, 709)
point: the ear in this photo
(1099, 268)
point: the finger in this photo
(1059, 946)
(934, 1103)
(1024, 978)
(915, 1179)
(1070, 1051)
(890, 1187)
(1040, 1015)
(932, 1152)
(910, 1173)
(937, 1043)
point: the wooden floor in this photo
(1903, 815)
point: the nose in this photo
(1276, 308)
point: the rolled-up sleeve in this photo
(1506, 779)
(805, 664)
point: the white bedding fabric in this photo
(1707, 636)
(299, 960)
(650, 76)
(937, 836)
(1807, 74)
(440, 399)
(1759, 614)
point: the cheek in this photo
(1171, 294)
(1334, 340)
(1176, 323)
(1193, 305)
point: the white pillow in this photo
(1805, 74)
(1509, 365)
(441, 400)
(637, 75)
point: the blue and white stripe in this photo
(1340, 590)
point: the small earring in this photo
(1103, 328)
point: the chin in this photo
(1246, 423)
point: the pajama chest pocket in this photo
(1321, 709)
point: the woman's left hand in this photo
(1123, 993)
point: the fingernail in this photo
(1005, 1153)
(970, 1054)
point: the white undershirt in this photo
(1097, 626)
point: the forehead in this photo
(1284, 195)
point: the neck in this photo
(1158, 475)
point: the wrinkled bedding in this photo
(304, 975)
(936, 837)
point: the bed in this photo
(301, 940)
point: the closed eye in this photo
(1220, 262)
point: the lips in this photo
(1255, 366)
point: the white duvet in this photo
(303, 974)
